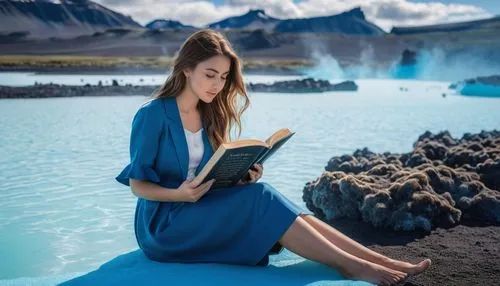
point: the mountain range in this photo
(70, 18)
(254, 19)
(84, 28)
(61, 18)
(352, 22)
(167, 24)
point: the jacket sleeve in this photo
(147, 128)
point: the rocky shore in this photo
(303, 86)
(56, 90)
(440, 183)
(488, 80)
(439, 201)
(488, 86)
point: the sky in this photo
(384, 13)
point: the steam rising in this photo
(432, 64)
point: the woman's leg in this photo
(356, 249)
(302, 239)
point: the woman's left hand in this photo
(254, 174)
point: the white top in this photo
(195, 148)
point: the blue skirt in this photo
(237, 225)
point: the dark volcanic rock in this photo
(56, 90)
(303, 86)
(442, 181)
(408, 58)
(488, 80)
(481, 86)
(407, 66)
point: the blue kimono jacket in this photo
(237, 225)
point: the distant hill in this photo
(58, 18)
(491, 23)
(352, 22)
(254, 19)
(167, 24)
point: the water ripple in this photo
(62, 210)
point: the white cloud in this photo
(385, 13)
(197, 13)
(275, 8)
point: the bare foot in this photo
(411, 269)
(374, 273)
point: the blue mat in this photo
(285, 269)
(134, 268)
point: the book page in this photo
(245, 143)
(275, 147)
(278, 135)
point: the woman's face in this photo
(208, 77)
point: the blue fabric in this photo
(237, 225)
(134, 268)
(147, 127)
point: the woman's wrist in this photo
(174, 195)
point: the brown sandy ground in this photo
(467, 254)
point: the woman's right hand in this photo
(188, 192)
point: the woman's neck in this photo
(187, 102)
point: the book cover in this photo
(231, 161)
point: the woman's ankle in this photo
(384, 260)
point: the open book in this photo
(232, 160)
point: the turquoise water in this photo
(63, 213)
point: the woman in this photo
(172, 138)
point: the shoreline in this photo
(59, 91)
(135, 71)
(133, 65)
(51, 90)
(440, 201)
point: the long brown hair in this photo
(219, 116)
